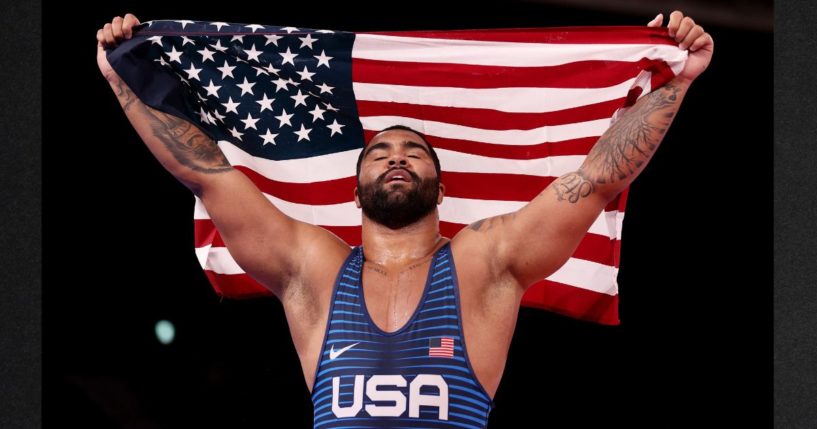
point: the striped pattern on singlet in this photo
(417, 376)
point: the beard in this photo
(397, 207)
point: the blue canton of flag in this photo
(275, 92)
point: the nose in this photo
(398, 159)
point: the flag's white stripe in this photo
(575, 272)
(505, 137)
(588, 275)
(342, 165)
(513, 54)
(456, 210)
(515, 100)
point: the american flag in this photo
(508, 110)
(441, 347)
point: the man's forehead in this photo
(397, 137)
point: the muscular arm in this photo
(535, 241)
(530, 244)
(269, 246)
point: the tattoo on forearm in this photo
(632, 140)
(573, 186)
(189, 145)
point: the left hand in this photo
(690, 36)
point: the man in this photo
(411, 328)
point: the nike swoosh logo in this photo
(334, 354)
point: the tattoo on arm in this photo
(573, 186)
(488, 223)
(632, 140)
(189, 145)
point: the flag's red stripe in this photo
(580, 146)
(561, 35)
(572, 301)
(593, 247)
(489, 119)
(483, 186)
(236, 285)
(336, 191)
(578, 74)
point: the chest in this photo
(392, 296)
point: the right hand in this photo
(109, 36)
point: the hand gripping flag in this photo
(508, 110)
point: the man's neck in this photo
(398, 247)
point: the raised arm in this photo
(269, 245)
(535, 241)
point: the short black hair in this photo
(403, 128)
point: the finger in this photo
(704, 40)
(686, 25)
(693, 35)
(116, 27)
(128, 23)
(674, 21)
(108, 33)
(657, 21)
(100, 37)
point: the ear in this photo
(357, 198)
(441, 194)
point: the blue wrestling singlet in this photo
(416, 377)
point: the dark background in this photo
(694, 347)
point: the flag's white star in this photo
(284, 118)
(212, 89)
(288, 57)
(162, 61)
(266, 103)
(149, 23)
(325, 31)
(236, 134)
(156, 40)
(292, 82)
(260, 71)
(238, 37)
(226, 70)
(290, 29)
(246, 87)
(303, 133)
(268, 137)
(305, 74)
(175, 55)
(252, 54)
(307, 41)
(272, 38)
(280, 84)
(201, 97)
(203, 115)
(218, 116)
(192, 72)
(218, 46)
(335, 127)
(206, 54)
(255, 27)
(272, 69)
(323, 59)
(230, 105)
(249, 122)
(317, 113)
(219, 25)
(184, 23)
(300, 98)
(186, 40)
(326, 88)
(329, 107)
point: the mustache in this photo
(382, 177)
